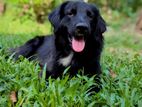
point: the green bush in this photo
(125, 6)
(35, 8)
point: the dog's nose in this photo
(81, 28)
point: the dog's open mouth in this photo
(78, 44)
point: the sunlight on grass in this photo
(12, 23)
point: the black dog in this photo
(77, 41)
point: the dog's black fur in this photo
(73, 19)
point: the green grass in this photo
(121, 55)
(121, 78)
(124, 90)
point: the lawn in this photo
(121, 66)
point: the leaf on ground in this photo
(112, 73)
(13, 96)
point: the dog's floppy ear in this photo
(55, 16)
(101, 25)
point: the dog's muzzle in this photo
(81, 29)
(78, 41)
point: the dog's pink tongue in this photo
(78, 45)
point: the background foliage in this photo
(125, 6)
(121, 60)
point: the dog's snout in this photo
(81, 28)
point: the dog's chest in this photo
(65, 61)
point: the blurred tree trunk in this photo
(139, 24)
(2, 7)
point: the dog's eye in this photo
(71, 13)
(89, 14)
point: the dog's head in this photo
(77, 21)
